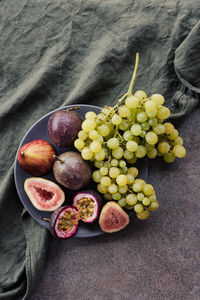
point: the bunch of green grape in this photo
(118, 136)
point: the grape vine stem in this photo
(134, 75)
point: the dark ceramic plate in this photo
(39, 131)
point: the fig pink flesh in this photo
(44, 194)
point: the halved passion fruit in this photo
(64, 222)
(88, 204)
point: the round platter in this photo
(39, 131)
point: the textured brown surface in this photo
(155, 259)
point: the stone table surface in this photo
(154, 259)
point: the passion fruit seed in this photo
(68, 220)
(85, 207)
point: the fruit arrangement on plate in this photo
(101, 148)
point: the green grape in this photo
(121, 180)
(123, 189)
(150, 106)
(132, 102)
(124, 111)
(93, 134)
(96, 176)
(99, 139)
(95, 147)
(128, 155)
(113, 143)
(105, 181)
(122, 163)
(114, 162)
(130, 179)
(132, 160)
(102, 189)
(82, 135)
(133, 171)
(79, 144)
(141, 116)
(138, 208)
(138, 185)
(129, 207)
(131, 117)
(151, 138)
(163, 112)
(141, 151)
(159, 129)
(152, 153)
(122, 202)
(124, 125)
(149, 147)
(146, 201)
(153, 122)
(163, 147)
(169, 127)
(154, 206)
(127, 135)
(86, 153)
(116, 119)
(178, 141)
(118, 153)
(103, 130)
(103, 171)
(112, 189)
(100, 156)
(88, 125)
(152, 197)
(179, 151)
(143, 133)
(90, 115)
(107, 110)
(145, 126)
(148, 189)
(123, 170)
(173, 135)
(116, 196)
(131, 146)
(157, 99)
(143, 215)
(98, 164)
(114, 172)
(136, 129)
(107, 164)
(140, 196)
(141, 95)
(108, 196)
(152, 114)
(131, 199)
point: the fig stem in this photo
(45, 219)
(72, 108)
(57, 158)
(22, 153)
(134, 75)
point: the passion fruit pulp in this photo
(64, 222)
(88, 204)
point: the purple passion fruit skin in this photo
(72, 171)
(64, 222)
(63, 127)
(88, 203)
(44, 194)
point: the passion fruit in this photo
(63, 127)
(88, 204)
(72, 171)
(64, 222)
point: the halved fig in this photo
(88, 204)
(44, 194)
(113, 218)
(64, 222)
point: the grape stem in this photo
(134, 75)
